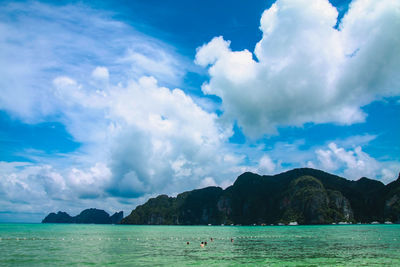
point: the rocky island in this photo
(305, 196)
(95, 216)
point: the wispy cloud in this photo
(39, 42)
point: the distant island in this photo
(95, 216)
(299, 196)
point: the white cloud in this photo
(345, 157)
(266, 165)
(137, 137)
(307, 71)
(141, 138)
(353, 163)
(100, 73)
(167, 139)
(325, 157)
(151, 60)
(210, 53)
(208, 181)
(39, 42)
(389, 175)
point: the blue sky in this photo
(107, 103)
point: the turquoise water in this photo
(120, 245)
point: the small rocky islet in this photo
(305, 196)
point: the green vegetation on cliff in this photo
(305, 195)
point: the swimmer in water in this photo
(232, 240)
(202, 244)
(211, 239)
(205, 243)
(187, 243)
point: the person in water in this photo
(202, 244)
(205, 243)
(232, 240)
(211, 239)
(187, 243)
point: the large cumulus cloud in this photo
(100, 79)
(304, 69)
(137, 140)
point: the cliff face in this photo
(307, 196)
(95, 216)
(159, 210)
(340, 208)
(200, 207)
(392, 201)
(308, 202)
(305, 202)
(117, 217)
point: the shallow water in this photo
(123, 245)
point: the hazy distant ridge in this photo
(87, 216)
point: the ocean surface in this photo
(123, 245)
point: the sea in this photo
(129, 245)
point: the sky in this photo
(104, 104)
